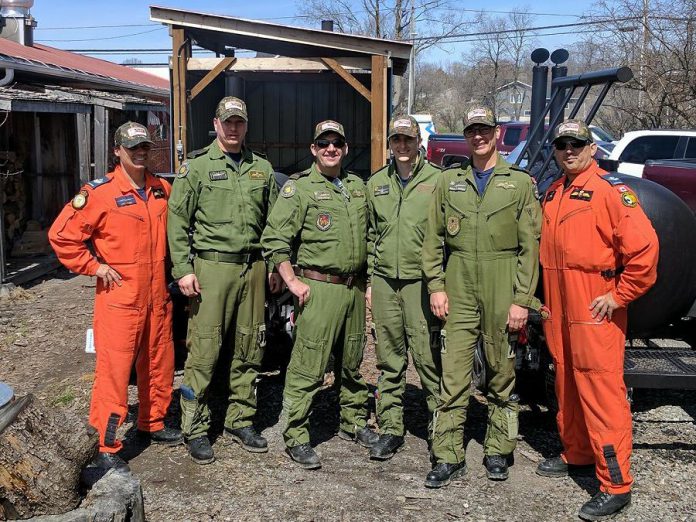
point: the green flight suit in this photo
(325, 230)
(493, 246)
(226, 205)
(400, 305)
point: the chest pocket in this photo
(218, 203)
(458, 224)
(502, 226)
(577, 229)
(128, 247)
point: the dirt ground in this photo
(42, 332)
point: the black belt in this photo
(224, 257)
(611, 272)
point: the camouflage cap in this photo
(329, 126)
(131, 134)
(404, 124)
(230, 106)
(479, 114)
(577, 129)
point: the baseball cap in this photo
(131, 134)
(329, 126)
(479, 114)
(577, 129)
(404, 124)
(230, 106)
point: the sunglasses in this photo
(323, 144)
(482, 130)
(576, 144)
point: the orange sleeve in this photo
(635, 242)
(71, 229)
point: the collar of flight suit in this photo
(215, 152)
(501, 168)
(122, 180)
(315, 176)
(583, 178)
(417, 168)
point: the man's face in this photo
(329, 149)
(482, 139)
(404, 148)
(573, 155)
(231, 133)
(134, 158)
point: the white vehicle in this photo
(599, 134)
(427, 127)
(637, 147)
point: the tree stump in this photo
(42, 453)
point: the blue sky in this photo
(98, 24)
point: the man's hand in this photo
(275, 282)
(517, 317)
(368, 297)
(439, 304)
(603, 306)
(108, 275)
(299, 290)
(189, 285)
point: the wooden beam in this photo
(378, 152)
(180, 55)
(352, 80)
(282, 64)
(84, 146)
(221, 66)
(101, 140)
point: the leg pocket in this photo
(308, 358)
(204, 344)
(596, 347)
(353, 352)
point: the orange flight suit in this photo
(595, 239)
(132, 322)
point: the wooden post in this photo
(378, 152)
(180, 56)
(101, 140)
(83, 148)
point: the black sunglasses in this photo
(576, 144)
(323, 144)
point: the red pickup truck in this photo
(679, 176)
(446, 149)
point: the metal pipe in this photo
(581, 100)
(8, 78)
(535, 132)
(598, 102)
(557, 72)
(617, 74)
(540, 78)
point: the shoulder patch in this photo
(99, 182)
(80, 200)
(183, 170)
(288, 189)
(612, 179)
(197, 152)
(629, 199)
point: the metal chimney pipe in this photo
(327, 25)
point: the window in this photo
(516, 97)
(512, 136)
(650, 148)
(691, 148)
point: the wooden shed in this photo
(298, 78)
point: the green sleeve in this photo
(434, 241)
(528, 233)
(283, 225)
(183, 202)
(371, 236)
(272, 198)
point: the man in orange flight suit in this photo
(124, 214)
(598, 252)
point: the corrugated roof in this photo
(94, 69)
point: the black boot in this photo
(248, 439)
(200, 450)
(165, 436)
(386, 447)
(556, 467)
(442, 474)
(496, 467)
(604, 505)
(108, 461)
(363, 436)
(305, 456)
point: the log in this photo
(42, 453)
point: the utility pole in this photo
(643, 52)
(412, 61)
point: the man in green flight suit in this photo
(224, 194)
(398, 198)
(321, 221)
(483, 227)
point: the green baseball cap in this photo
(404, 124)
(230, 106)
(577, 129)
(329, 126)
(479, 114)
(131, 134)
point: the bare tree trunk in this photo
(42, 453)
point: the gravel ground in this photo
(42, 352)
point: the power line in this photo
(104, 37)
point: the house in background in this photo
(513, 101)
(58, 112)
